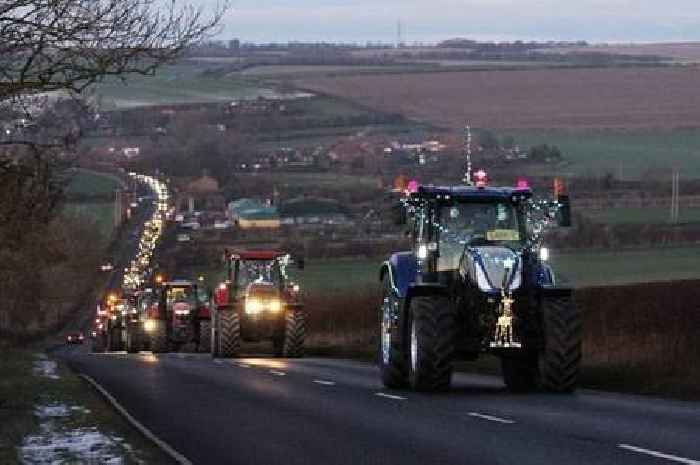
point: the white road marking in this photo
(164, 446)
(389, 396)
(660, 455)
(218, 362)
(243, 365)
(278, 373)
(491, 418)
(324, 382)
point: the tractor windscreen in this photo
(252, 271)
(180, 294)
(476, 224)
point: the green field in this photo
(102, 213)
(183, 83)
(579, 269)
(630, 154)
(88, 183)
(643, 215)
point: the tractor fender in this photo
(402, 270)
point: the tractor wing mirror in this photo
(564, 216)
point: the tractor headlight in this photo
(544, 254)
(149, 325)
(253, 306)
(275, 306)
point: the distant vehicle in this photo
(222, 225)
(179, 218)
(107, 266)
(191, 225)
(75, 338)
(183, 238)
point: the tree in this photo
(51, 45)
(62, 47)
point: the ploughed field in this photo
(620, 98)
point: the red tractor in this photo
(258, 301)
(177, 316)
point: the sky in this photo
(435, 20)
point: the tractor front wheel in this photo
(204, 343)
(559, 363)
(229, 333)
(392, 360)
(432, 333)
(294, 334)
(159, 337)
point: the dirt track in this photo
(635, 98)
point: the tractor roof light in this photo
(481, 179)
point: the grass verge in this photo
(59, 418)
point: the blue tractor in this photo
(476, 280)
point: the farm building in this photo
(313, 211)
(252, 214)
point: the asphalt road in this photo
(327, 411)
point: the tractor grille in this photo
(493, 259)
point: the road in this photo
(328, 411)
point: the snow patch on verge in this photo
(80, 445)
(45, 368)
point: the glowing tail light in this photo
(481, 179)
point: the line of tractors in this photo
(476, 279)
(257, 301)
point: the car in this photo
(106, 266)
(75, 338)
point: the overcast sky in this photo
(434, 20)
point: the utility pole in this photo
(675, 198)
(468, 154)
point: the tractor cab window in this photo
(476, 224)
(179, 294)
(252, 271)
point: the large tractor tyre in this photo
(390, 357)
(229, 339)
(431, 343)
(99, 344)
(294, 334)
(559, 362)
(520, 373)
(215, 332)
(204, 342)
(133, 339)
(115, 340)
(159, 338)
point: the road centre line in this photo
(278, 373)
(483, 416)
(324, 382)
(660, 455)
(243, 365)
(389, 396)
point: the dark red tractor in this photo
(258, 301)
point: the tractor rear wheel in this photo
(133, 338)
(391, 359)
(432, 333)
(204, 344)
(99, 344)
(559, 363)
(229, 333)
(159, 337)
(294, 334)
